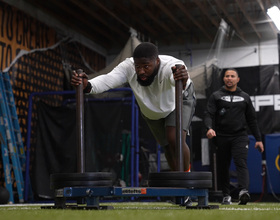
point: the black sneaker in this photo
(226, 200)
(244, 197)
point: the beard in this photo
(149, 79)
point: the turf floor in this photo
(143, 211)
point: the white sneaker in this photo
(226, 200)
(188, 202)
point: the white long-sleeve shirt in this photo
(156, 100)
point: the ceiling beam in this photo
(183, 8)
(222, 6)
(167, 11)
(247, 16)
(202, 6)
(68, 11)
(89, 12)
(103, 7)
(135, 17)
(46, 18)
(265, 14)
(151, 15)
(81, 20)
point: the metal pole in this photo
(80, 127)
(179, 123)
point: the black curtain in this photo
(268, 117)
(55, 149)
(56, 146)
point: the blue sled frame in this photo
(89, 197)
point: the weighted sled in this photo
(62, 184)
(81, 176)
(181, 179)
(181, 183)
(174, 175)
(60, 180)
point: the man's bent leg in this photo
(170, 151)
(170, 157)
(186, 155)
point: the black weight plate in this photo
(181, 183)
(176, 175)
(62, 184)
(90, 176)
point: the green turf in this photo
(144, 211)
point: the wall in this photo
(264, 53)
(238, 55)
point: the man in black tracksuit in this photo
(229, 111)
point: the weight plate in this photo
(176, 175)
(181, 183)
(90, 176)
(62, 184)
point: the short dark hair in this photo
(232, 69)
(146, 50)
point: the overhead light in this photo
(274, 14)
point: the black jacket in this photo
(229, 113)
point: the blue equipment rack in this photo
(134, 181)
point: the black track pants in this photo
(235, 148)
